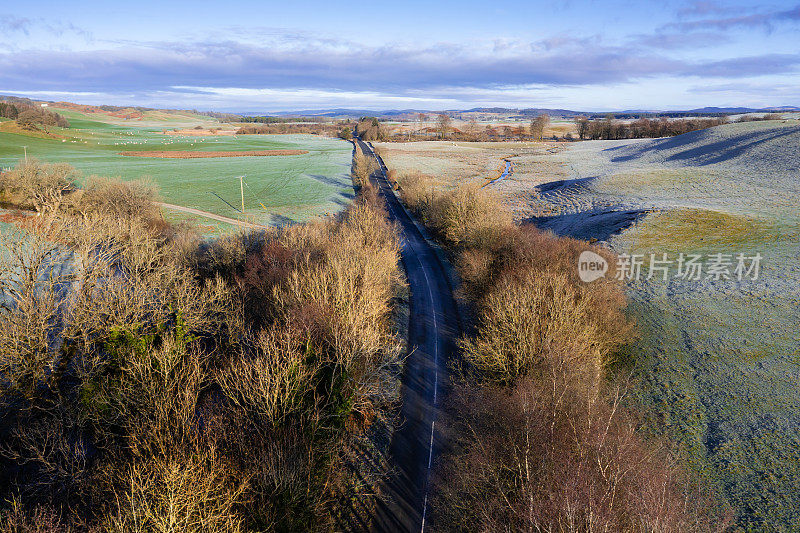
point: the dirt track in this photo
(220, 218)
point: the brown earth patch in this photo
(180, 154)
(15, 216)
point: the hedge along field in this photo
(291, 188)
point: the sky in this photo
(264, 56)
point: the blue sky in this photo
(302, 54)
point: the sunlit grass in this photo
(286, 188)
(700, 230)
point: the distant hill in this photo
(339, 112)
(519, 113)
(738, 110)
(502, 113)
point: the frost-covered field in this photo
(718, 361)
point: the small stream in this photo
(506, 171)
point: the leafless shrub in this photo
(33, 277)
(539, 325)
(269, 383)
(55, 451)
(464, 217)
(153, 383)
(128, 279)
(120, 199)
(539, 440)
(40, 519)
(469, 217)
(417, 191)
(190, 493)
(157, 398)
(530, 458)
(349, 292)
(363, 167)
(37, 185)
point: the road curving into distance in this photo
(434, 325)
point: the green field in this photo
(279, 189)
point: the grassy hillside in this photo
(289, 187)
(717, 360)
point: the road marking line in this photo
(435, 356)
(435, 390)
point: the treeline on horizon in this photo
(280, 120)
(610, 128)
(374, 129)
(30, 116)
(313, 128)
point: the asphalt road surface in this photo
(434, 326)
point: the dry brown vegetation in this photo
(153, 382)
(120, 199)
(466, 217)
(363, 167)
(370, 129)
(314, 128)
(539, 439)
(33, 185)
(756, 118)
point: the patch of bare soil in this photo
(14, 216)
(181, 154)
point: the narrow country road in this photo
(433, 327)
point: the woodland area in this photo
(154, 381)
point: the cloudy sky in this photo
(424, 54)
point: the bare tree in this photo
(443, 122)
(422, 118)
(472, 129)
(582, 123)
(538, 125)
